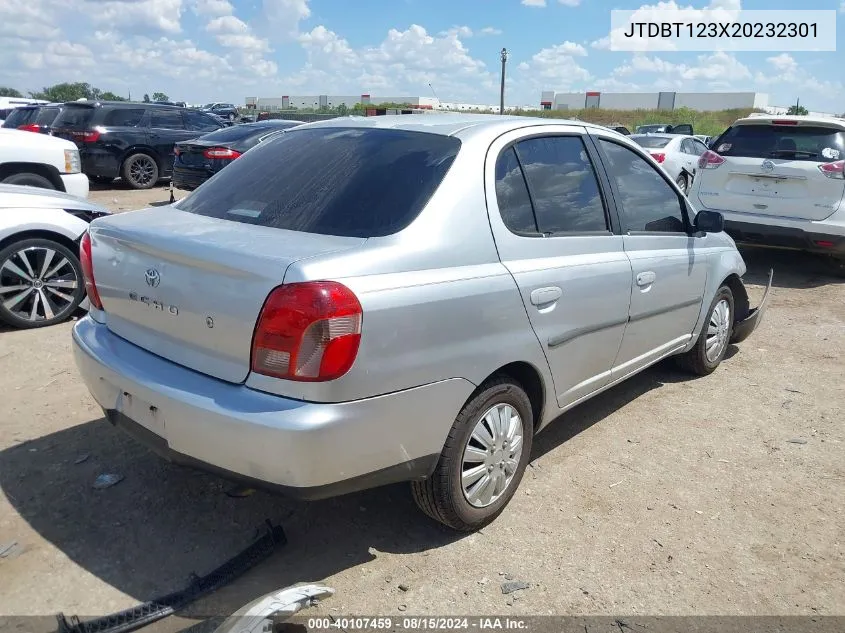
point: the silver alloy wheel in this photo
(718, 330)
(141, 170)
(492, 455)
(37, 284)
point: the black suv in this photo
(33, 118)
(132, 140)
(224, 110)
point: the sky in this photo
(225, 50)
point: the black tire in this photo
(695, 361)
(683, 182)
(232, 116)
(29, 180)
(70, 272)
(441, 496)
(140, 171)
(834, 266)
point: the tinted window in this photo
(333, 181)
(167, 119)
(648, 202)
(125, 117)
(563, 184)
(199, 122)
(46, 116)
(791, 142)
(20, 116)
(512, 195)
(74, 117)
(651, 142)
(683, 128)
(240, 133)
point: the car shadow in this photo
(793, 269)
(146, 534)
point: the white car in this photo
(779, 181)
(39, 160)
(678, 154)
(41, 281)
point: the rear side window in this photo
(166, 119)
(563, 185)
(792, 142)
(123, 117)
(512, 195)
(74, 117)
(349, 182)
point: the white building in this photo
(701, 101)
(350, 101)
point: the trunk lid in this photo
(190, 288)
(190, 153)
(773, 169)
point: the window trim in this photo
(609, 209)
(682, 202)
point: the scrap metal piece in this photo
(259, 615)
(159, 608)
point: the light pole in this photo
(502, 89)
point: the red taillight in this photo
(88, 271)
(658, 156)
(30, 127)
(88, 136)
(825, 244)
(834, 170)
(784, 122)
(710, 160)
(307, 331)
(177, 151)
(220, 152)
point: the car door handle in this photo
(646, 279)
(544, 296)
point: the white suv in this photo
(43, 161)
(778, 181)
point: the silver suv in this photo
(370, 300)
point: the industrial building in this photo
(317, 102)
(701, 101)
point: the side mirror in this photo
(709, 222)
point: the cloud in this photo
(227, 24)
(489, 30)
(26, 20)
(460, 31)
(556, 66)
(213, 7)
(285, 15)
(134, 15)
(720, 66)
(569, 3)
(783, 62)
(534, 3)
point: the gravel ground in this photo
(666, 495)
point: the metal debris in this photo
(515, 585)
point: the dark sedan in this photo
(199, 159)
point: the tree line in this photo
(59, 93)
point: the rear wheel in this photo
(683, 182)
(40, 283)
(483, 459)
(29, 180)
(712, 343)
(140, 171)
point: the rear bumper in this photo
(189, 179)
(824, 236)
(98, 162)
(306, 450)
(75, 184)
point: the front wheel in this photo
(28, 180)
(712, 343)
(140, 171)
(40, 283)
(483, 459)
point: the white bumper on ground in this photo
(76, 184)
(308, 450)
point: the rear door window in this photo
(123, 117)
(512, 195)
(46, 116)
(74, 117)
(350, 182)
(166, 119)
(563, 185)
(199, 122)
(791, 142)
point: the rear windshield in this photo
(20, 116)
(651, 141)
(811, 143)
(351, 182)
(651, 128)
(74, 117)
(241, 132)
(46, 116)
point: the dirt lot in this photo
(665, 495)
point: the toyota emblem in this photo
(152, 277)
(767, 166)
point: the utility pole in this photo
(502, 89)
